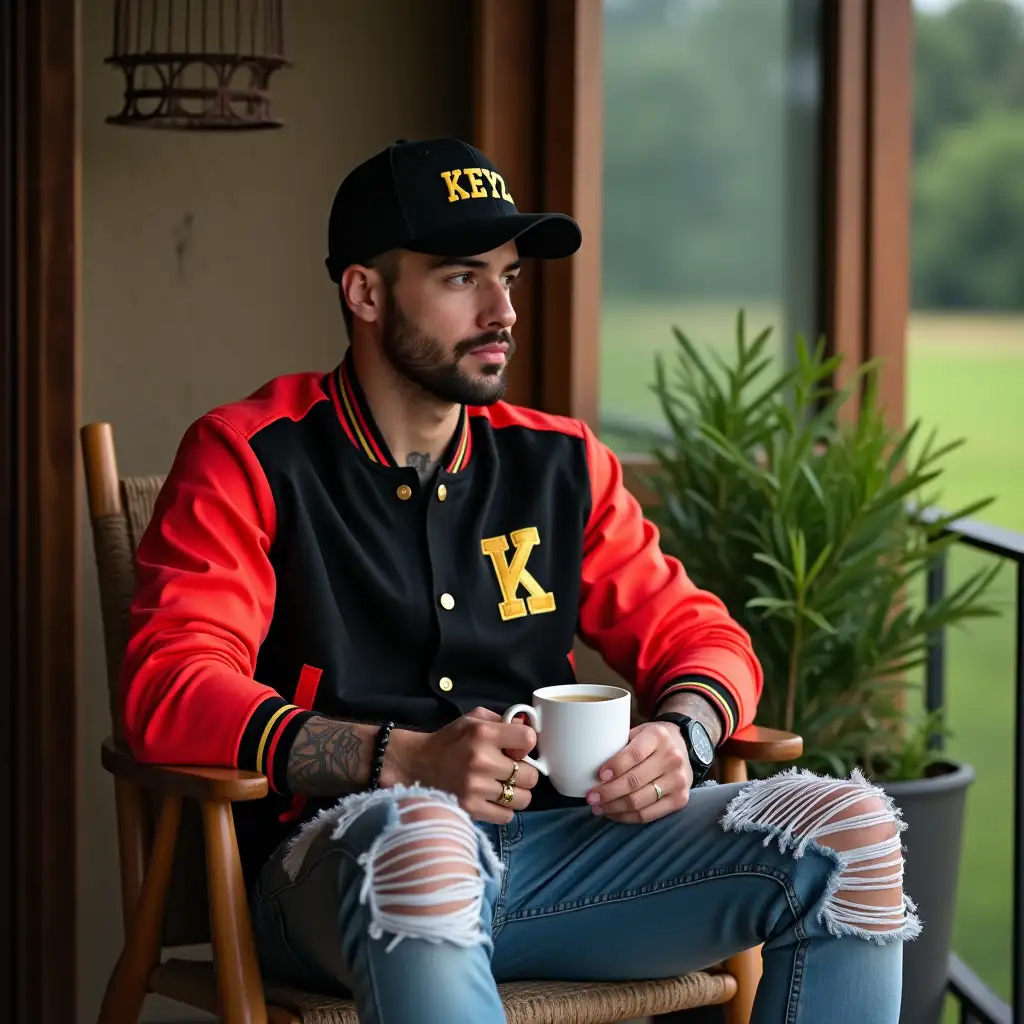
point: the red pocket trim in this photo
(305, 691)
(305, 695)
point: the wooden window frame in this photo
(539, 112)
(867, 162)
(39, 259)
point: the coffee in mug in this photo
(579, 727)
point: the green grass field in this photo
(965, 376)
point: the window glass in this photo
(965, 376)
(711, 184)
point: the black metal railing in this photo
(978, 1004)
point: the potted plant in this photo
(811, 527)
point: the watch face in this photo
(701, 743)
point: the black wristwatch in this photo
(698, 743)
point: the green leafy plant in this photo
(816, 529)
(898, 750)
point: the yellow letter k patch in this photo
(513, 575)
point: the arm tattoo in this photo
(696, 706)
(328, 758)
(421, 462)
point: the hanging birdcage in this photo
(198, 64)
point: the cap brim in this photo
(544, 236)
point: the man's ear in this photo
(362, 290)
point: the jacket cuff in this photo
(267, 740)
(717, 695)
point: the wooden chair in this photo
(181, 878)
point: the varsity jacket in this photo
(292, 567)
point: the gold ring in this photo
(511, 780)
(657, 791)
(508, 793)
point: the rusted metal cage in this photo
(198, 64)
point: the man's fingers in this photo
(633, 801)
(650, 808)
(628, 791)
(513, 736)
(675, 789)
(506, 735)
(669, 768)
(484, 714)
(495, 745)
(528, 775)
(485, 805)
(484, 810)
(635, 777)
(640, 747)
(520, 801)
(493, 767)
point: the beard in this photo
(422, 359)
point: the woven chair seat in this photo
(525, 1002)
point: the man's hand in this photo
(656, 753)
(471, 758)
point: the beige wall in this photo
(203, 276)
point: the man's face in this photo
(447, 324)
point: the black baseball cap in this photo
(437, 196)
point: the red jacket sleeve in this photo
(203, 601)
(644, 615)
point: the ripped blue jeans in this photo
(398, 899)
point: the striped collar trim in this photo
(358, 423)
(456, 457)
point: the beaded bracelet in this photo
(377, 764)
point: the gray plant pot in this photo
(933, 809)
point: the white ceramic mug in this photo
(579, 726)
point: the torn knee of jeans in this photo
(426, 871)
(857, 826)
(425, 875)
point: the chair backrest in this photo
(120, 510)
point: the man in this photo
(350, 575)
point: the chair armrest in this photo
(195, 782)
(759, 743)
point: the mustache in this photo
(487, 338)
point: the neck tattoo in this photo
(421, 462)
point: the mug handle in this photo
(531, 713)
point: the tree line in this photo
(712, 122)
